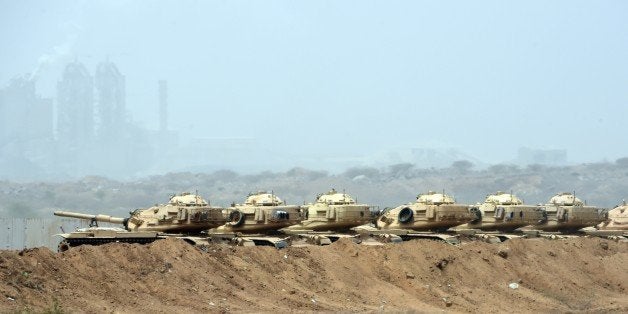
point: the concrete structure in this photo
(75, 106)
(111, 100)
(23, 114)
(549, 157)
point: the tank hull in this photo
(103, 235)
(563, 218)
(505, 218)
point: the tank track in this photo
(370, 237)
(68, 243)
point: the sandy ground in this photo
(573, 275)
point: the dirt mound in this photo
(584, 274)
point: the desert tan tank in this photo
(431, 212)
(333, 211)
(503, 212)
(567, 214)
(186, 214)
(617, 219)
(615, 225)
(328, 219)
(261, 212)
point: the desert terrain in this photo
(568, 275)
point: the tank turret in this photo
(261, 212)
(430, 212)
(503, 212)
(565, 199)
(567, 213)
(333, 211)
(187, 199)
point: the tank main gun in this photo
(94, 219)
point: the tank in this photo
(184, 214)
(333, 211)
(615, 226)
(503, 212)
(430, 212)
(100, 235)
(261, 212)
(566, 213)
(617, 219)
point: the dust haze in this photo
(129, 89)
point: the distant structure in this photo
(93, 134)
(26, 131)
(111, 98)
(438, 157)
(163, 106)
(23, 114)
(550, 157)
(75, 106)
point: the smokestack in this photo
(163, 106)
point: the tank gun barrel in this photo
(99, 218)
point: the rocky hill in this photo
(602, 184)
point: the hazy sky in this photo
(353, 77)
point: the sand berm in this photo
(572, 275)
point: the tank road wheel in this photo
(236, 218)
(405, 215)
(63, 246)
